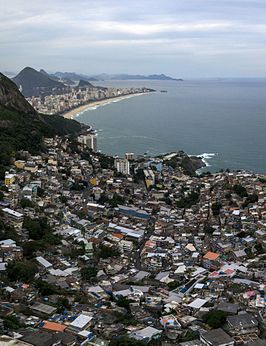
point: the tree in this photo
(11, 322)
(107, 251)
(240, 190)
(250, 200)
(45, 288)
(62, 304)
(216, 207)
(189, 335)
(173, 285)
(215, 318)
(26, 203)
(21, 271)
(1, 195)
(40, 192)
(123, 302)
(88, 272)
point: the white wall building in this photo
(122, 166)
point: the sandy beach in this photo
(76, 111)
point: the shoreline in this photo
(80, 109)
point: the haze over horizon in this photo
(191, 38)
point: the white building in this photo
(122, 166)
(89, 139)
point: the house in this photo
(146, 334)
(216, 337)
(242, 324)
(41, 309)
(211, 260)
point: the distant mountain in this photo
(73, 76)
(84, 83)
(21, 127)
(35, 83)
(58, 79)
(105, 76)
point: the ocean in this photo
(224, 120)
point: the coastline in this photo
(76, 111)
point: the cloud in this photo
(73, 33)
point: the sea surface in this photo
(223, 119)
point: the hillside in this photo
(83, 83)
(21, 127)
(35, 83)
(73, 76)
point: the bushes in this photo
(215, 318)
(187, 202)
(88, 273)
(45, 288)
(216, 207)
(240, 190)
(21, 271)
(107, 252)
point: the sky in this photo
(180, 38)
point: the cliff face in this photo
(21, 127)
(11, 98)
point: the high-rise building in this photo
(122, 166)
(89, 139)
(129, 156)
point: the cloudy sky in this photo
(182, 38)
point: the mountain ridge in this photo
(22, 128)
(35, 83)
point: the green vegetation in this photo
(189, 335)
(123, 302)
(75, 251)
(40, 192)
(21, 128)
(216, 207)
(11, 322)
(240, 190)
(45, 288)
(62, 304)
(88, 273)
(107, 251)
(250, 200)
(138, 176)
(21, 271)
(41, 236)
(173, 285)
(41, 231)
(26, 203)
(106, 162)
(6, 231)
(215, 318)
(113, 202)
(126, 319)
(187, 202)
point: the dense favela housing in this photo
(97, 250)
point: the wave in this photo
(206, 157)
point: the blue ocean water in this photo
(224, 119)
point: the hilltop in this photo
(35, 83)
(84, 83)
(21, 127)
